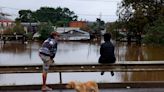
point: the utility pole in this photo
(29, 17)
(99, 23)
(100, 15)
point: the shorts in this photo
(47, 61)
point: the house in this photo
(65, 29)
(79, 24)
(75, 35)
(30, 27)
(5, 22)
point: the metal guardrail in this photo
(116, 67)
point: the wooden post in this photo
(4, 40)
(60, 76)
(23, 39)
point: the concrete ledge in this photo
(150, 84)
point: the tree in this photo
(25, 16)
(57, 16)
(44, 30)
(136, 14)
(45, 14)
(98, 26)
(113, 28)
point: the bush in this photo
(8, 32)
(29, 36)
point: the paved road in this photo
(104, 90)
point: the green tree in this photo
(98, 26)
(57, 16)
(113, 29)
(136, 14)
(26, 16)
(44, 30)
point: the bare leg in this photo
(44, 75)
(44, 78)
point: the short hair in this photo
(107, 36)
(54, 33)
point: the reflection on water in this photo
(78, 52)
(53, 78)
(135, 52)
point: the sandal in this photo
(46, 88)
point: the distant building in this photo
(30, 27)
(5, 22)
(75, 35)
(77, 24)
(65, 29)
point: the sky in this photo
(87, 10)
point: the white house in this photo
(65, 29)
(75, 35)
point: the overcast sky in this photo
(86, 9)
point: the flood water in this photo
(15, 53)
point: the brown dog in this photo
(89, 86)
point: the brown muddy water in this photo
(15, 53)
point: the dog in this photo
(89, 86)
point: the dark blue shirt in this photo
(107, 53)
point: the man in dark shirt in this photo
(107, 51)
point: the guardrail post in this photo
(60, 77)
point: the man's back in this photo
(107, 53)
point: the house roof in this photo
(4, 19)
(77, 30)
(65, 29)
(28, 24)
